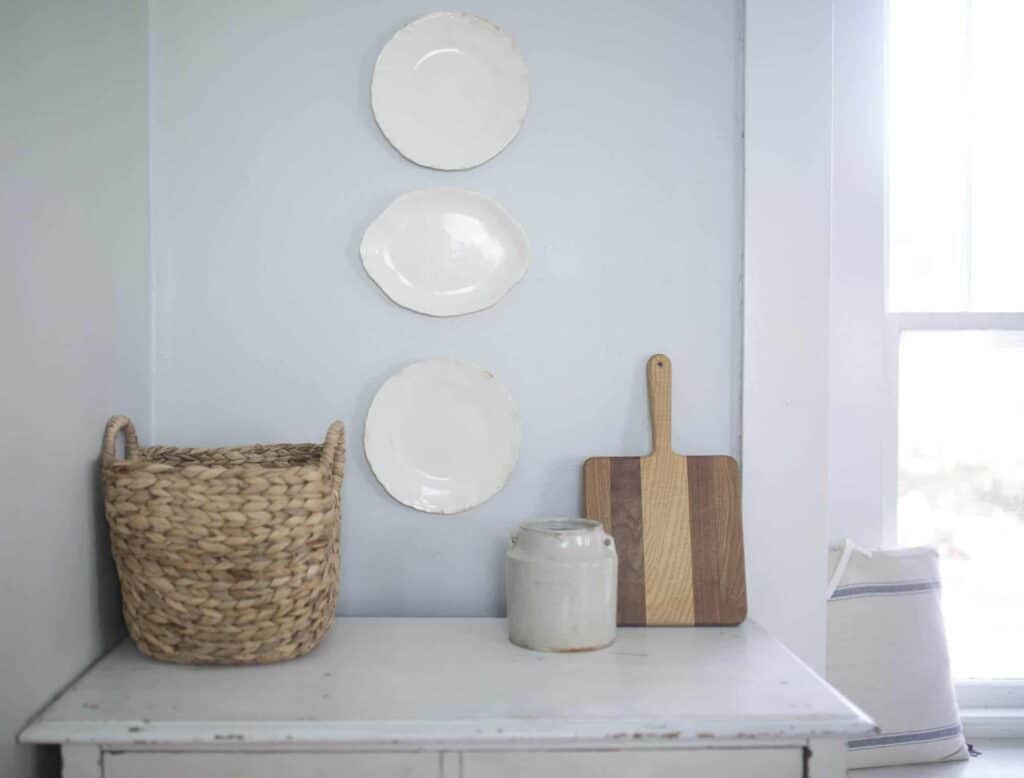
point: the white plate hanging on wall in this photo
(450, 90)
(445, 252)
(442, 436)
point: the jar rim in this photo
(561, 526)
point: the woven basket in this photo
(226, 555)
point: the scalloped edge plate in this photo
(442, 436)
(450, 90)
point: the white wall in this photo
(858, 425)
(786, 317)
(267, 166)
(74, 324)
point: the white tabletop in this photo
(453, 682)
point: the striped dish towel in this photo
(887, 653)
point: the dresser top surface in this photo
(437, 681)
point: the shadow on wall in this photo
(45, 762)
(107, 588)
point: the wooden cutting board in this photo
(676, 523)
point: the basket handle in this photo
(131, 440)
(333, 455)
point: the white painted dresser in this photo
(452, 698)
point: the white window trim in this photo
(990, 708)
(863, 417)
(895, 325)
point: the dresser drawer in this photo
(269, 765)
(703, 763)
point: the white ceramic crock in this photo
(561, 579)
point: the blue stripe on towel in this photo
(904, 738)
(885, 589)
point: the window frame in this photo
(860, 208)
(972, 693)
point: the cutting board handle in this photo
(659, 393)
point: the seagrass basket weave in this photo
(225, 555)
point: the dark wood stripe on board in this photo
(704, 539)
(719, 587)
(627, 528)
(733, 602)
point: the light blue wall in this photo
(267, 166)
(74, 331)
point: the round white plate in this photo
(445, 252)
(450, 90)
(442, 436)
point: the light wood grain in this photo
(668, 569)
(668, 555)
(597, 491)
(659, 396)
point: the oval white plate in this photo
(442, 436)
(445, 252)
(450, 90)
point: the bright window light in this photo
(956, 155)
(955, 117)
(961, 486)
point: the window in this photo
(956, 155)
(955, 316)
